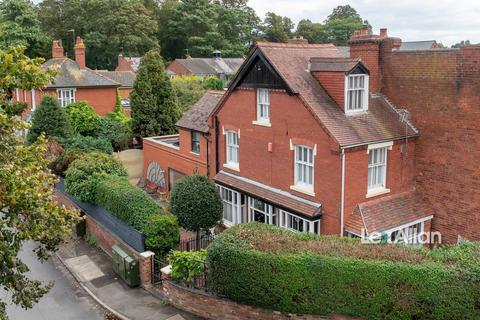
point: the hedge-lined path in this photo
(93, 270)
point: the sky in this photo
(447, 21)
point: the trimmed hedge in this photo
(128, 203)
(314, 283)
(85, 172)
(162, 233)
(89, 144)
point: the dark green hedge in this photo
(307, 282)
(127, 202)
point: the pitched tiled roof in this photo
(71, 76)
(197, 117)
(333, 64)
(417, 45)
(280, 198)
(387, 213)
(125, 78)
(211, 66)
(345, 50)
(134, 62)
(381, 122)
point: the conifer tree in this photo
(155, 107)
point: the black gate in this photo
(158, 264)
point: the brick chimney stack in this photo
(299, 40)
(80, 52)
(57, 49)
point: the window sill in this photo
(227, 223)
(195, 153)
(234, 167)
(262, 123)
(308, 191)
(376, 192)
(356, 113)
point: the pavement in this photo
(93, 270)
(66, 300)
(132, 160)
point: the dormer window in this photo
(356, 93)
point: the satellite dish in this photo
(156, 174)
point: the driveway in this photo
(65, 301)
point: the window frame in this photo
(263, 105)
(235, 205)
(230, 147)
(371, 153)
(195, 142)
(62, 97)
(364, 94)
(300, 184)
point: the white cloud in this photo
(447, 21)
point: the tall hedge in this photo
(311, 283)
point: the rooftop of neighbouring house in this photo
(291, 61)
(418, 45)
(125, 78)
(72, 76)
(211, 66)
(171, 141)
(197, 117)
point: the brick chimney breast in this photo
(57, 49)
(80, 52)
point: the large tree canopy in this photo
(27, 209)
(276, 28)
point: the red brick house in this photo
(303, 139)
(76, 82)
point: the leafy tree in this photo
(196, 203)
(276, 28)
(344, 12)
(155, 108)
(313, 32)
(117, 132)
(188, 89)
(338, 31)
(49, 118)
(82, 117)
(20, 26)
(27, 209)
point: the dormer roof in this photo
(347, 65)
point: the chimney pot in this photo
(80, 52)
(57, 49)
(383, 32)
(299, 40)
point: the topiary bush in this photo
(265, 266)
(88, 144)
(83, 119)
(161, 233)
(128, 203)
(84, 173)
(51, 119)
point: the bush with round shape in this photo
(162, 233)
(83, 119)
(49, 118)
(261, 265)
(89, 144)
(196, 203)
(118, 133)
(127, 202)
(84, 173)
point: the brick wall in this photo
(441, 89)
(334, 84)
(178, 69)
(368, 51)
(211, 307)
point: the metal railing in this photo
(193, 244)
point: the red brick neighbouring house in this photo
(304, 139)
(75, 82)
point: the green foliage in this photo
(162, 233)
(196, 203)
(117, 114)
(313, 32)
(213, 83)
(20, 27)
(338, 31)
(90, 239)
(187, 265)
(243, 268)
(84, 174)
(88, 144)
(276, 28)
(83, 118)
(128, 203)
(62, 162)
(107, 27)
(188, 89)
(50, 119)
(118, 133)
(28, 211)
(155, 108)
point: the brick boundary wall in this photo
(209, 306)
(107, 240)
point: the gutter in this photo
(342, 196)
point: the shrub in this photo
(117, 114)
(84, 173)
(161, 233)
(316, 282)
(188, 89)
(118, 133)
(62, 162)
(128, 203)
(83, 118)
(213, 83)
(196, 203)
(187, 265)
(89, 144)
(49, 118)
